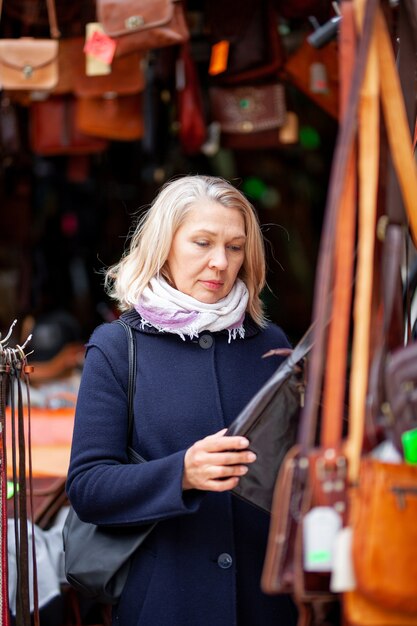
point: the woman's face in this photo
(207, 251)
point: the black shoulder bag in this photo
(97, 558)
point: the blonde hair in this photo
(151, 240)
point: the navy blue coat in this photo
(201, 565)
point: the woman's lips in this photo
(212, 284)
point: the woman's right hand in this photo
(216, 462)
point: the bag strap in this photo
(325, 261)
(131, 384)
(53, 22)
(369, 151)
(399, 141)
(52, 19)
(335, 374)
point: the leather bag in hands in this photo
(270, 422)
(97, 558)
(140, 25)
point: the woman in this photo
(189, 287)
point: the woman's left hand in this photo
(216, 462)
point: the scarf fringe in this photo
(191, 331)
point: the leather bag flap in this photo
(121, 18)
(28, 53)
(248, 109)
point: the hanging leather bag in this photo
(53, 131)
(250, 116)
(28, 63)
(126, 75)
(143, 24)
(113, 117)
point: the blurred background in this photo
(66, 206)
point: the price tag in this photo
(218, 58)
(320, 527)
(99, 50)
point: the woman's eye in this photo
(203, 244)
(235, 248)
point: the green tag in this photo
(10, 489)
(320, 556)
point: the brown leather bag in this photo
(250, 116)
(250, 28)
(30, 64)
(143, 24)
(118, 118)
(383, 517)
(53, 130)
(126, 75)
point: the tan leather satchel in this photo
(118, 118)
(30, 64)
(143, 24)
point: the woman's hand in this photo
(216, 462)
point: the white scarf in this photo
(171, 311)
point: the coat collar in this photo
(134, 320)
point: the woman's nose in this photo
(218, 259)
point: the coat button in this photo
(205, 342)
(224, 560)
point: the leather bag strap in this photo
(335, 374)
(399, 140)
(132, 377)
(324, 272)
(398, 131)
(368, 191)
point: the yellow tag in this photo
(93, 65)
(289, 132)
(219, 57)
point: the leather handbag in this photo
(97, 557)
(383, 496)
(143, 24)
(113, 117)
(28, 63)
(53, 131)
(385, 559)
(270, 422)
(249, 30)
(249, 116)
